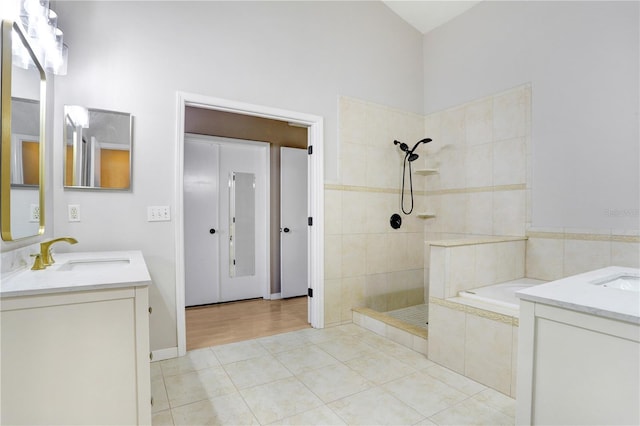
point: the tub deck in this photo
(502, 295)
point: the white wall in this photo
(134, 56)
(582, 60)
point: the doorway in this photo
(315, 256)
(226, 191)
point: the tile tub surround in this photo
(472, 262)
(338, 375)
(553, 254)
(475, 341)
(473, 338)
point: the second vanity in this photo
(75, 341)
(579, 350)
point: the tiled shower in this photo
(367, 263)
(482, 152)
(477, 182)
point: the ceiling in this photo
(425, 15)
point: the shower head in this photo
(411, 156)
(425, 140)
(403, 146)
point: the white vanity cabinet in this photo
(76, 356)
(579, 354)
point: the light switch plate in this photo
(158, 214)
(74, 212)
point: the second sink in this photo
(621, 282)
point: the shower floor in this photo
(417, 315)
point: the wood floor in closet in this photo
(237, 321)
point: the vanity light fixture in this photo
(40, 24)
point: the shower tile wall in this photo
(367, 263)
(481, 150)
(554, 254)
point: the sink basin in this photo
(94, 264)
(621, 282)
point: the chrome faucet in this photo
(45, 249)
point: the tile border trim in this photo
(471, 241)
(354, 188)
(482, 313)
(476, 189)
(471, 190)
(583, 237)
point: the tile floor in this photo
(342, 375)
(417, 315)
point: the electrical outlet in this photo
(74, 212)
(34, 210)
(158, 214)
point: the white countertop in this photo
(578, 293)
(55, 279)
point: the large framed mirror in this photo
(97, 148)
(23, 104)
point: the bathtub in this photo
(503, 294)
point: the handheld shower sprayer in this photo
(409, 157)
(412, 156)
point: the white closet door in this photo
(293, 222)
(244, 248)
(201, 230)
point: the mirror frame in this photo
(9, 28)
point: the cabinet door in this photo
(72, 363)
(584, 376)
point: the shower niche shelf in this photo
(426, 172)
(426, 215)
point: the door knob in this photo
(212, 231)
(286, 230)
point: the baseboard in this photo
(275, 296)
(167, 353)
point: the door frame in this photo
(315, 248)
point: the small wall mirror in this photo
(97, 148)
(242, 235)
(23, 123)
